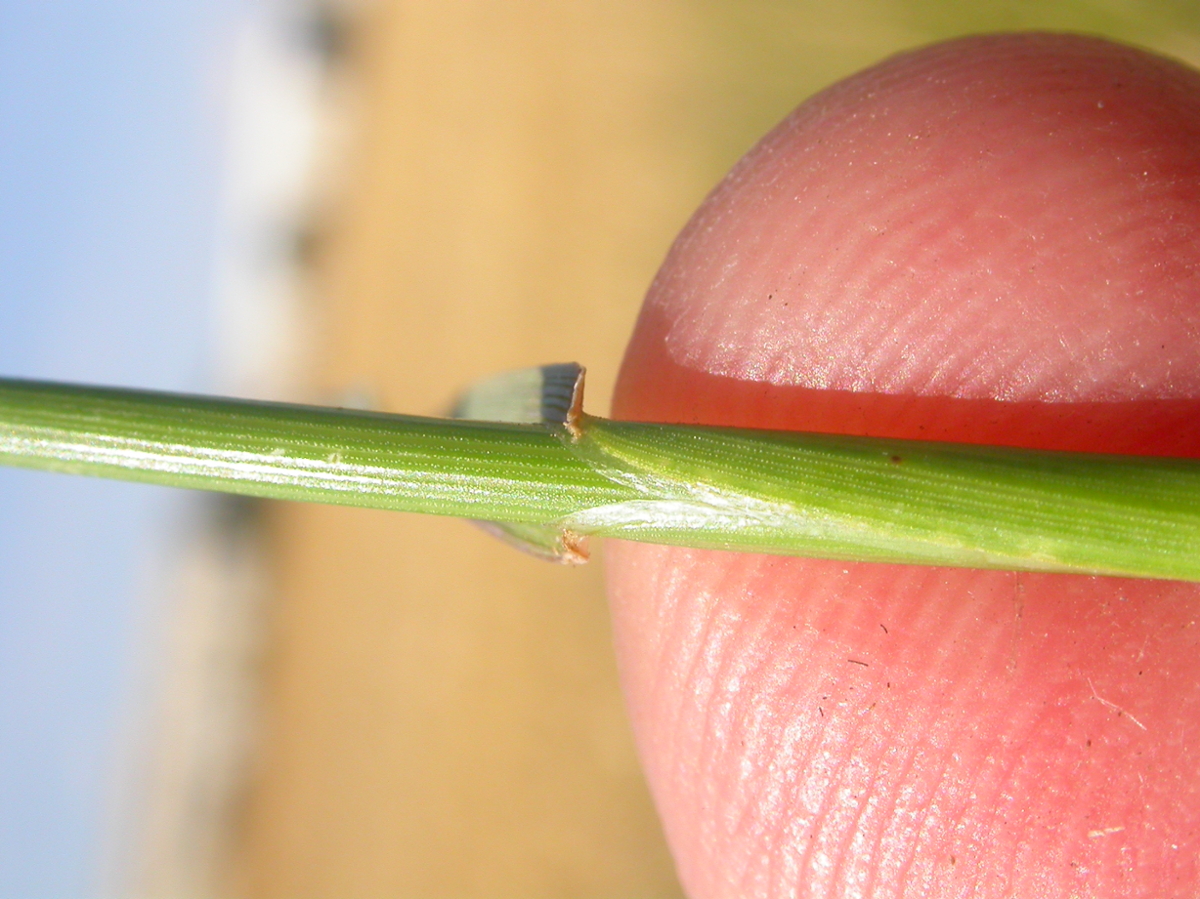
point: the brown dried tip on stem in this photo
(560, 396)
(546, 542)
(574, 549)
(573, 419)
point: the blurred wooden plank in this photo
(443, 713)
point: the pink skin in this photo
(998, 240)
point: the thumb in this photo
(996, 240)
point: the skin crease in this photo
(995, 239)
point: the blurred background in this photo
(369, 203)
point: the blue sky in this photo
(110, 153)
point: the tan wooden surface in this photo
(443, 714)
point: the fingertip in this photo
(1004, 217)
(995, 240)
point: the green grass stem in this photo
(791, 493)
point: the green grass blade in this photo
(406, 463)
(800, 494)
